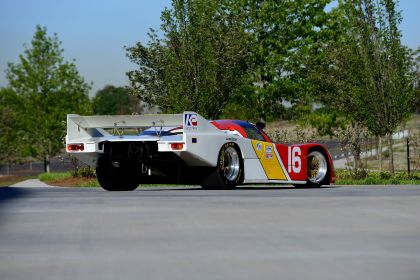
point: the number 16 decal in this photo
(294, 161)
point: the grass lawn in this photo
(65, 179)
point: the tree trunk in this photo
(47, 163)
(354, 164)
(356, 155)
(379, 151)
(366, 152)
(391, 154)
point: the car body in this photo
(188, 149)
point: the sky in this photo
(94, 32)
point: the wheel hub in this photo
(231, 164)
(317, 167)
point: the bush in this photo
(343, 174)
(289, 136)
(385, 175)
(53, 176)
(386, 154)
(79, 171)
(351, 174)
(371, 181)
(395, 181)
(360, 174)
(362, 177)
(87, 172)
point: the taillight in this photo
(177, 146)
(75, 147)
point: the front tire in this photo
(318, 170)
(229, 171)
(116, 176)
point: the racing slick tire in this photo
(116, 176)
(229, 171)
(318, 170)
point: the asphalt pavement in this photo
(253, 232)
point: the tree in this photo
(324, 120)
(115, 101)
(49, 88)
(199, 64)
(284, 37)
(416, 70)
(13, 145)
(367, 72)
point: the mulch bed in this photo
(70, 182)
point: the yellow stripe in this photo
(268, 159)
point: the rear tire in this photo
(229, 171)
(119, 176)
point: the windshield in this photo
(251, 131)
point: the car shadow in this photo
(242, 187)
(159, 189)
(282, 187)
(9, 193)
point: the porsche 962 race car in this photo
(188, 149)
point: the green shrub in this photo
(371, 181)
(395, 181)
(348, 177)
(54, 176)
(84, 172)
(349, 174)
(401, 176)
(343, 174)
(87, 172)
(385, 175)
(360, 174)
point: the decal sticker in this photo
(270, 161)
(268, 156)
(268, 152)
(294, 161)
(190, 120)
(231, 139)
(194, 140)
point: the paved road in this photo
(248, 233)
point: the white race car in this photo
(188, 149)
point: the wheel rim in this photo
(231, 164)
(317, 167)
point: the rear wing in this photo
(87, 128)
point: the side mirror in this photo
(260, 124)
